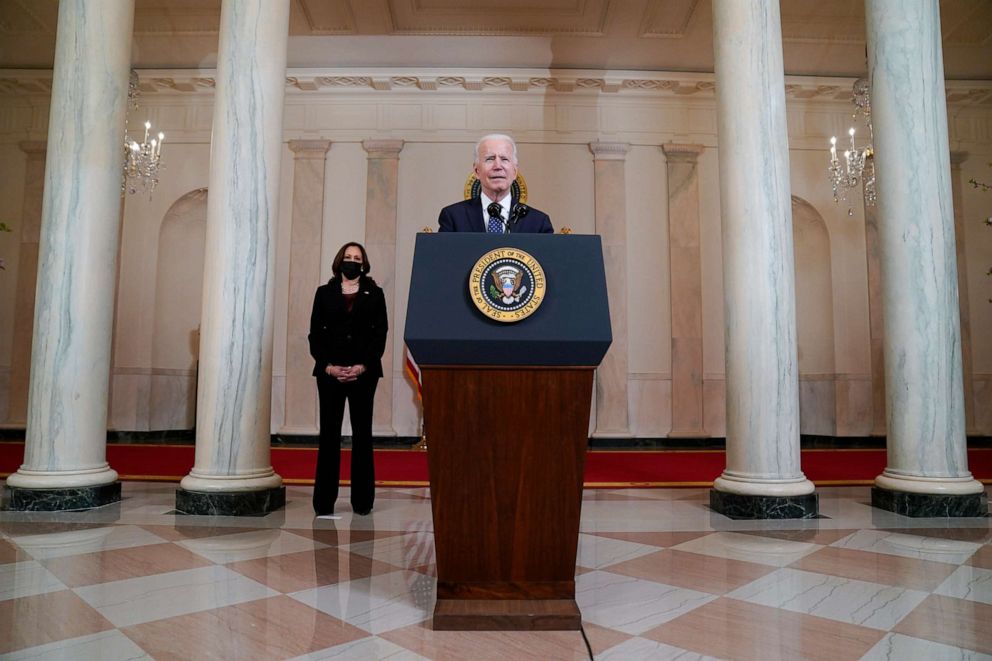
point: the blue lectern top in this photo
(571, 326)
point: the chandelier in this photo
(858, 164)
(142, 160)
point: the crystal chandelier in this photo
(858, 165)
(142, 160)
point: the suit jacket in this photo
(468, 216)
(339, 338)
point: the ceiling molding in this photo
(324, 17)
(28, 16)
(667, 20)
(966, 22)
(18, 84)
(164, 21)
(820, 37)
(629, 83)
(818, 22)
(586, 18)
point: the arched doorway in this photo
(178, 293)
(814, 320)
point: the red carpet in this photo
(627, 468)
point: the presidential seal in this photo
(518, 188)
(507, 284)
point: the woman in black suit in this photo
(347, 338)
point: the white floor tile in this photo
(97, 647)
(409, 551)
(90, 540)
(250, 545)
(846, 600)
(377, 604)
(21, 579)
(372, 647)
(895, 647)
(642, 649)
(909, 546)
(972, 583)
(749, 548)
(149, 598)
(598, 552)
(632, 605)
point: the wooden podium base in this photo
(506, 460)
(507, 615)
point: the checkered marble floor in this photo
(659, 576)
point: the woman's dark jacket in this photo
(339, 338)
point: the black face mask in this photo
(351, 270)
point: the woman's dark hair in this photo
(338, 258)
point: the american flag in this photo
(412, 371)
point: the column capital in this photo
(683, 153)
(316, 149)
(609, 151)
(33, 146)
(957, 158)
(383, 148)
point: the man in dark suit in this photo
(494, 210)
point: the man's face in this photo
(495, 168)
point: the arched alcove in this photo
(178, 292)
(814, 320)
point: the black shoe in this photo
(363, 512)
(317, 512)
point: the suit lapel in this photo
(475, 215)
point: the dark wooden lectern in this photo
(506, 410)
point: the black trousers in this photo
(360, 394)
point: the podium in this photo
(506, 412)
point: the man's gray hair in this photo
(495, 136)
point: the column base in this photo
(751, 506)
(688, 433)
(65, 499)
(231, 503)
(930, 505)
(623, 434)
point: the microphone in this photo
(495, 214)
(516, 213)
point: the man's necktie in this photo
(495, 218)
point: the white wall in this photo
(553, 129)
(12, 161)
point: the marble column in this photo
(687, 290)
(927, 470)
(27, 281)
(65, 454)
(380, 242)
(967, 372)
(763, 478)
(233, 472)
(309, 164)
(876, 321)
(612, 412)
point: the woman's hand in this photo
(345, 374)
(352, 373)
